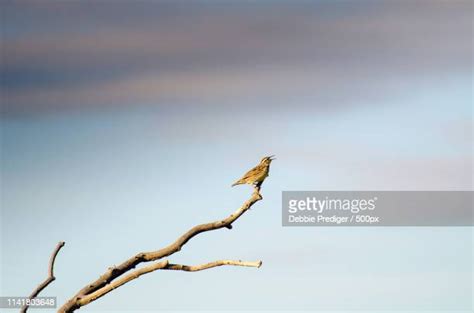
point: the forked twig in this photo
(48, 280)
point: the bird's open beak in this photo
(272, 157)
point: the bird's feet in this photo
(257, 191)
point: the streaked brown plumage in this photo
(257, 175)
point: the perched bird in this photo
(257, 175)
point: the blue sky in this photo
(124, 124)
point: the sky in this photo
(124, 123)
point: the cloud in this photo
(64, 55)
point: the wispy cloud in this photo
(152, 52)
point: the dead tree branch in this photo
(119, 282)
(48, 279)
(110, 279)
(196, 268)
(164, 265)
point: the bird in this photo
(257, 175)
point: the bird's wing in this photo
(251, 173)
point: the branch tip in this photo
(48, 279)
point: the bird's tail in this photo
(239, 182)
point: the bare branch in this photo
(164, 265)
(119, 282)
(196, 268)
(48, 279)
(100, 286)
